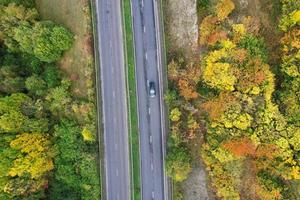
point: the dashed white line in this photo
(146, 56)
(150, 139)
(152, 168)
(144, 29)
(114, 94)
(149, 110)
(117, 172)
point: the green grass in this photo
(78, 61)
(134, 135)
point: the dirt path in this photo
(181, 24)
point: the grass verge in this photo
(133, 117)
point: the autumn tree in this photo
(224, 8)
(178, 164)
(21, 32)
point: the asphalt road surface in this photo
(114, 105)
(148, 69)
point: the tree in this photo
(178, 164)
(59, 99)
(241, 147)
(13, 118)
(255, 46)
(37, 155)
(51, 76)
(10, 81)
(220, 74)
(21, 32)
(26, 3)
(36, 85)
(224, 8)
(51, 41)
(175, 115)
(74, 176)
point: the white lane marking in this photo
(149, 110)
(142, 3)
(110, 44)
(116, 146)
(144, 29)
(152, 194)
(152, 168)
(114, 94)
(115, 120)
(150, 139)
(146, 56)
(117, 172)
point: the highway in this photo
(114, 103)
(150, 110)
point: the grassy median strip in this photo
(133, 117)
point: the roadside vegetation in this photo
(235, 106)
(48, 139)
(134, 135)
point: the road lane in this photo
(150, 109)
(114, 106)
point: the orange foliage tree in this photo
(241, 147)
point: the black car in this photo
(152, 91)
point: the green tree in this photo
(51, 41)
(36, 85)
(178, 164)
(59, 99)
(51, 76)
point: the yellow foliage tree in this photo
(36, 157)
(87, 135)
(175, 115)
(220, 74)
(224, 8)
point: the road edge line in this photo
(98, 95)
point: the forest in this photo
(48, 147)
(236, 106)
